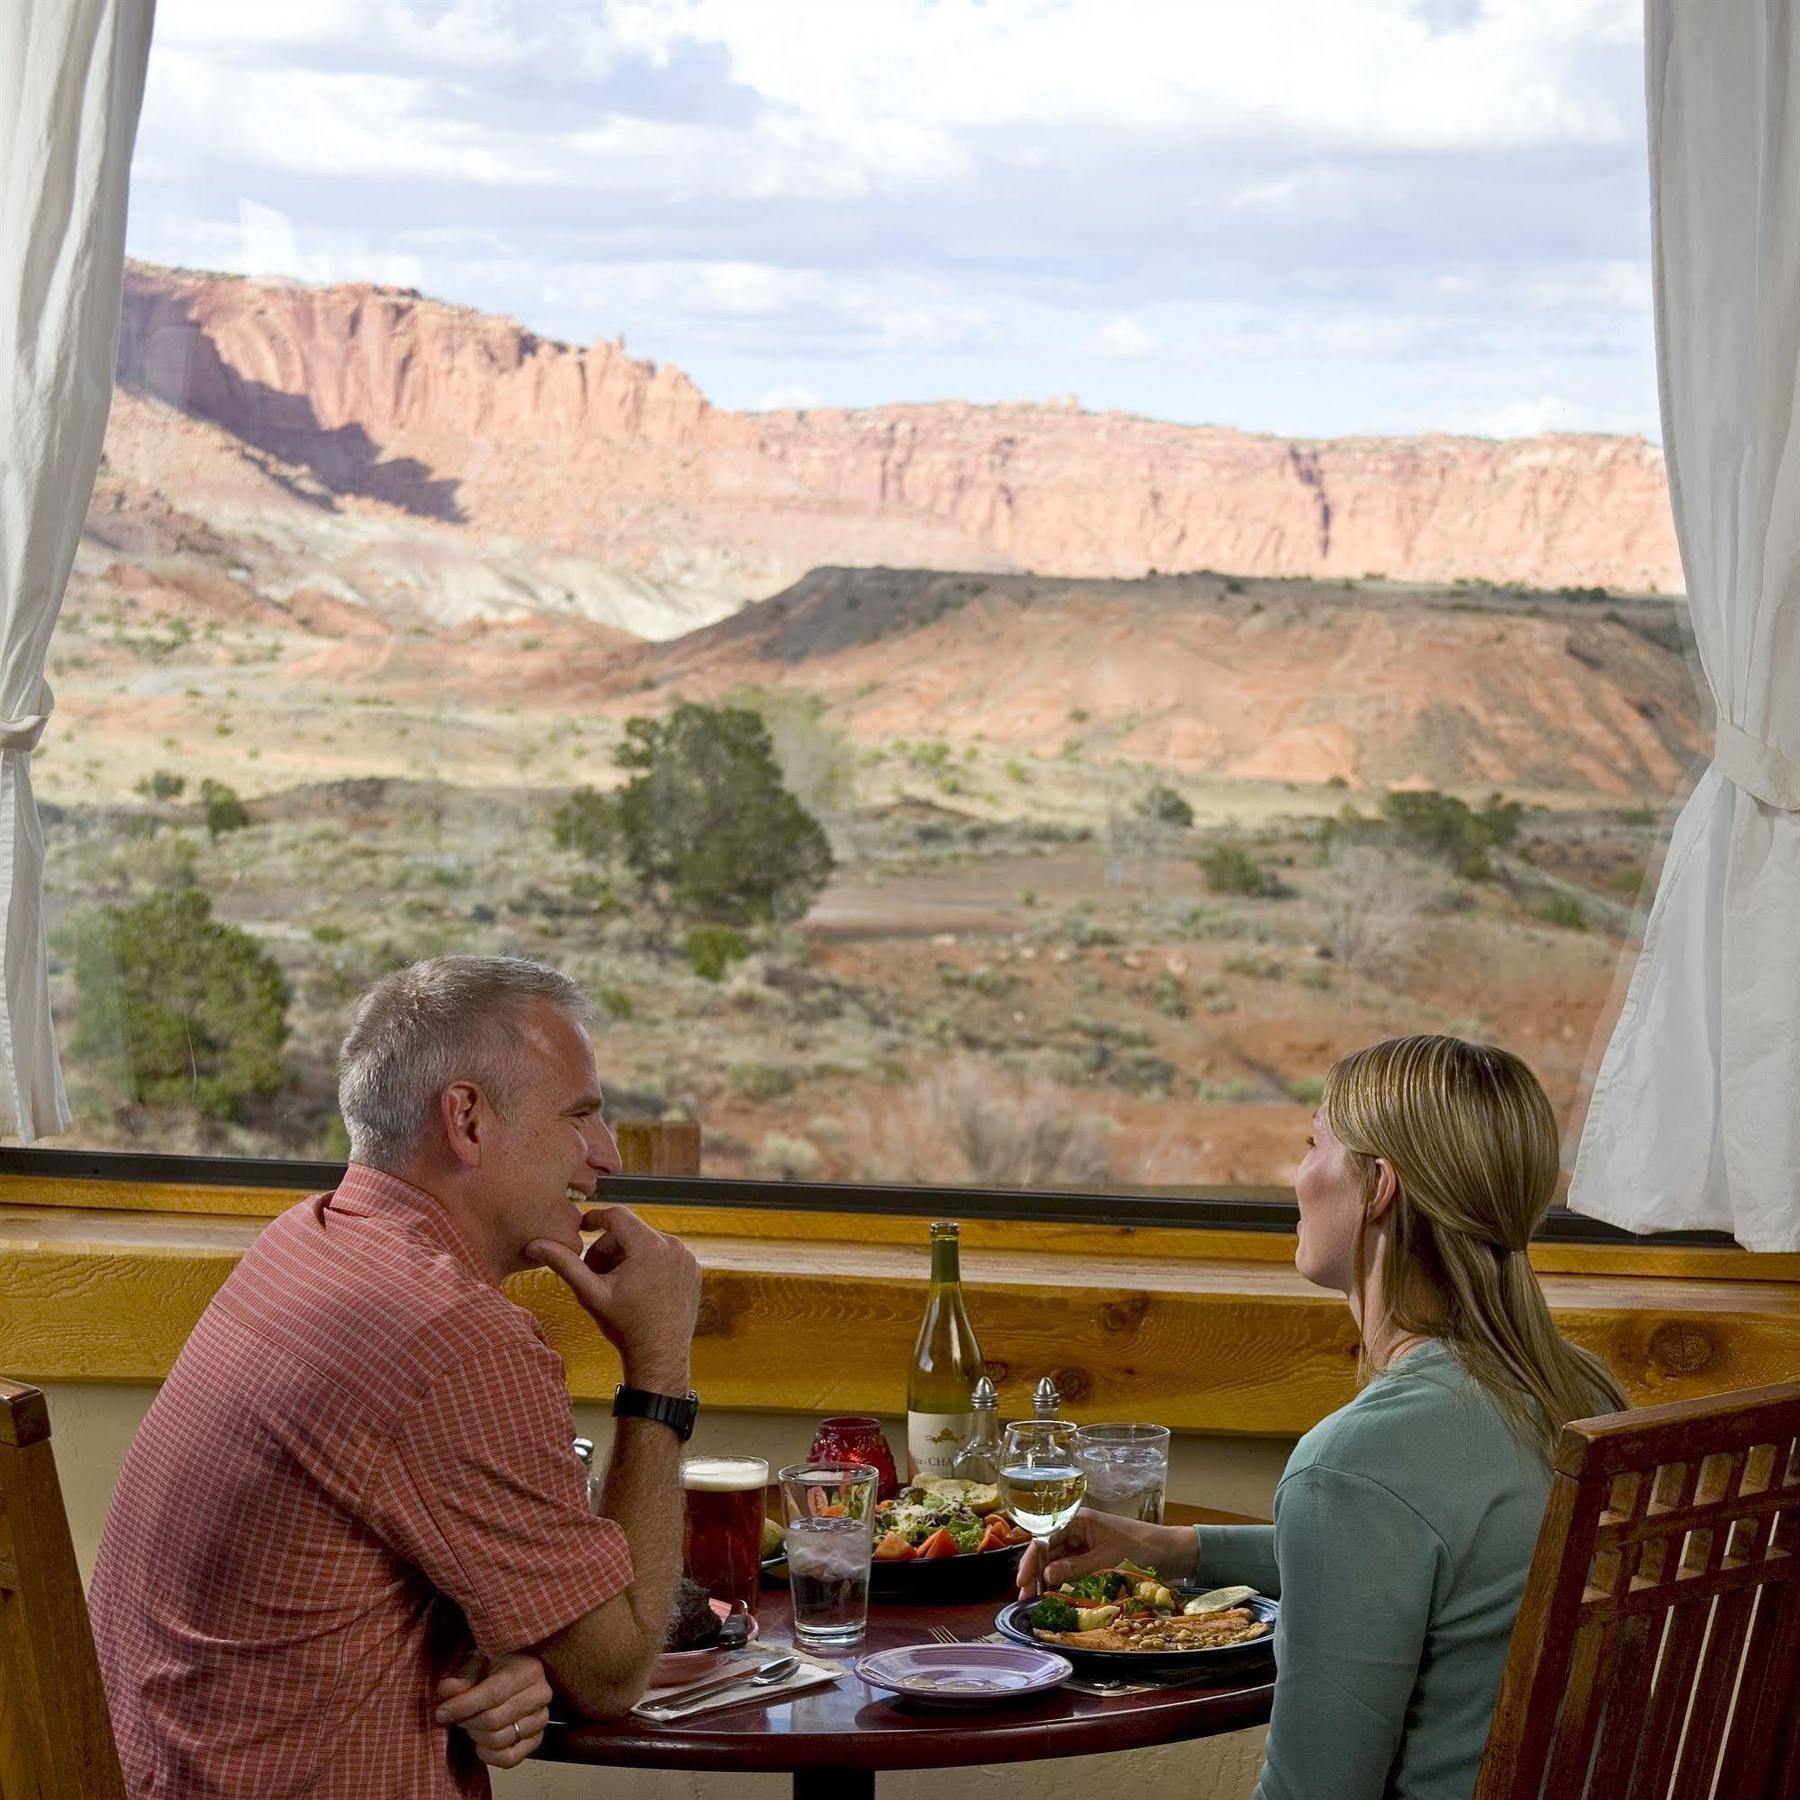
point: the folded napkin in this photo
(663, 1704)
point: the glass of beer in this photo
(721, 1546)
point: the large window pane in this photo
(929, 782)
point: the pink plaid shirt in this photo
(359, 1464)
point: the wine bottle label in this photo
(933, 1439)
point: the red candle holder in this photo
(858, 1439)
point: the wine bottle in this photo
(946, 1365)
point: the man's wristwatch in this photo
(666, 1409)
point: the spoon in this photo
(768, 1674)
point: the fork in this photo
(939, 1635)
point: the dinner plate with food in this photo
(700, 1630)
(942, 1539)
(1127, 1618)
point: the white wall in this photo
(92, 1427)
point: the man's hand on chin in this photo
(639, 1286)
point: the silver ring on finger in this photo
(518, 1735)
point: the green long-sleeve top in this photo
(1404, 1525)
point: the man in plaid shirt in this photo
(350, 1552)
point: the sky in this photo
(1311, 217)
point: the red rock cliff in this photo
(386, 395)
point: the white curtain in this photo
(1695, 1116)
(71, 83)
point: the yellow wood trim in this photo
(1203, 1345)
(1162, 1243)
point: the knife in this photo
(781, 1666)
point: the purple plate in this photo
(964, 1674)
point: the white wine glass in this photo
(1041, 1478)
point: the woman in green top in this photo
(1404, 1523)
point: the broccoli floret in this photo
(1095, 1589)
(965, 1532)
(1054, 1613)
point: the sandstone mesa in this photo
(381, 396)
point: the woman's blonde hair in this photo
(1472, 1140)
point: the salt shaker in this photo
(979, 1459)
(1045, 1400)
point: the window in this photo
(581, 484)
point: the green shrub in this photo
(1263, 967)
(161, 784)
(616, 1002)
(1440, 825)
(1563, 910)
(185, 1010)
(587, 823)
(760, 1081)
(712, 949)
(1167, 997)
(328, 931)
(1142, 1074)
(1307, 1089)
(223, 809)
(706, 824)
(596, 891)
(1229, 870)
(1164, 806)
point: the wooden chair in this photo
(56, 1741)
(1657, 1649)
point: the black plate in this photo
(1011, 1622)
(977, 1575)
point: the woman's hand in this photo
(1095, 1540)
(504, 1711)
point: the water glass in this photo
(1041, 1481)
(830, 1535)
(1127, 1469)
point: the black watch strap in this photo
(678, 1413)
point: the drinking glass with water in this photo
(830, 1512)
(1127, 1469)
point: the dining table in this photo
(834, 1741)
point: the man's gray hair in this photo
(453, 1018)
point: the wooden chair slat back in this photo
(56, 1741)
(1657, 1650)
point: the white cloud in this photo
(1606, 287)
(1196, 206)
(796, 397)
(1530, 417)
(1373, 74)
(1265, 195)
(1125, 337)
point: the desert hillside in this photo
(1216, 678)
(610, 479)
(1120, 860)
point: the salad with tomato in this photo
(927, 1523)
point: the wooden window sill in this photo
(1206, 1331)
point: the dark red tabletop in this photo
(852, 1727)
